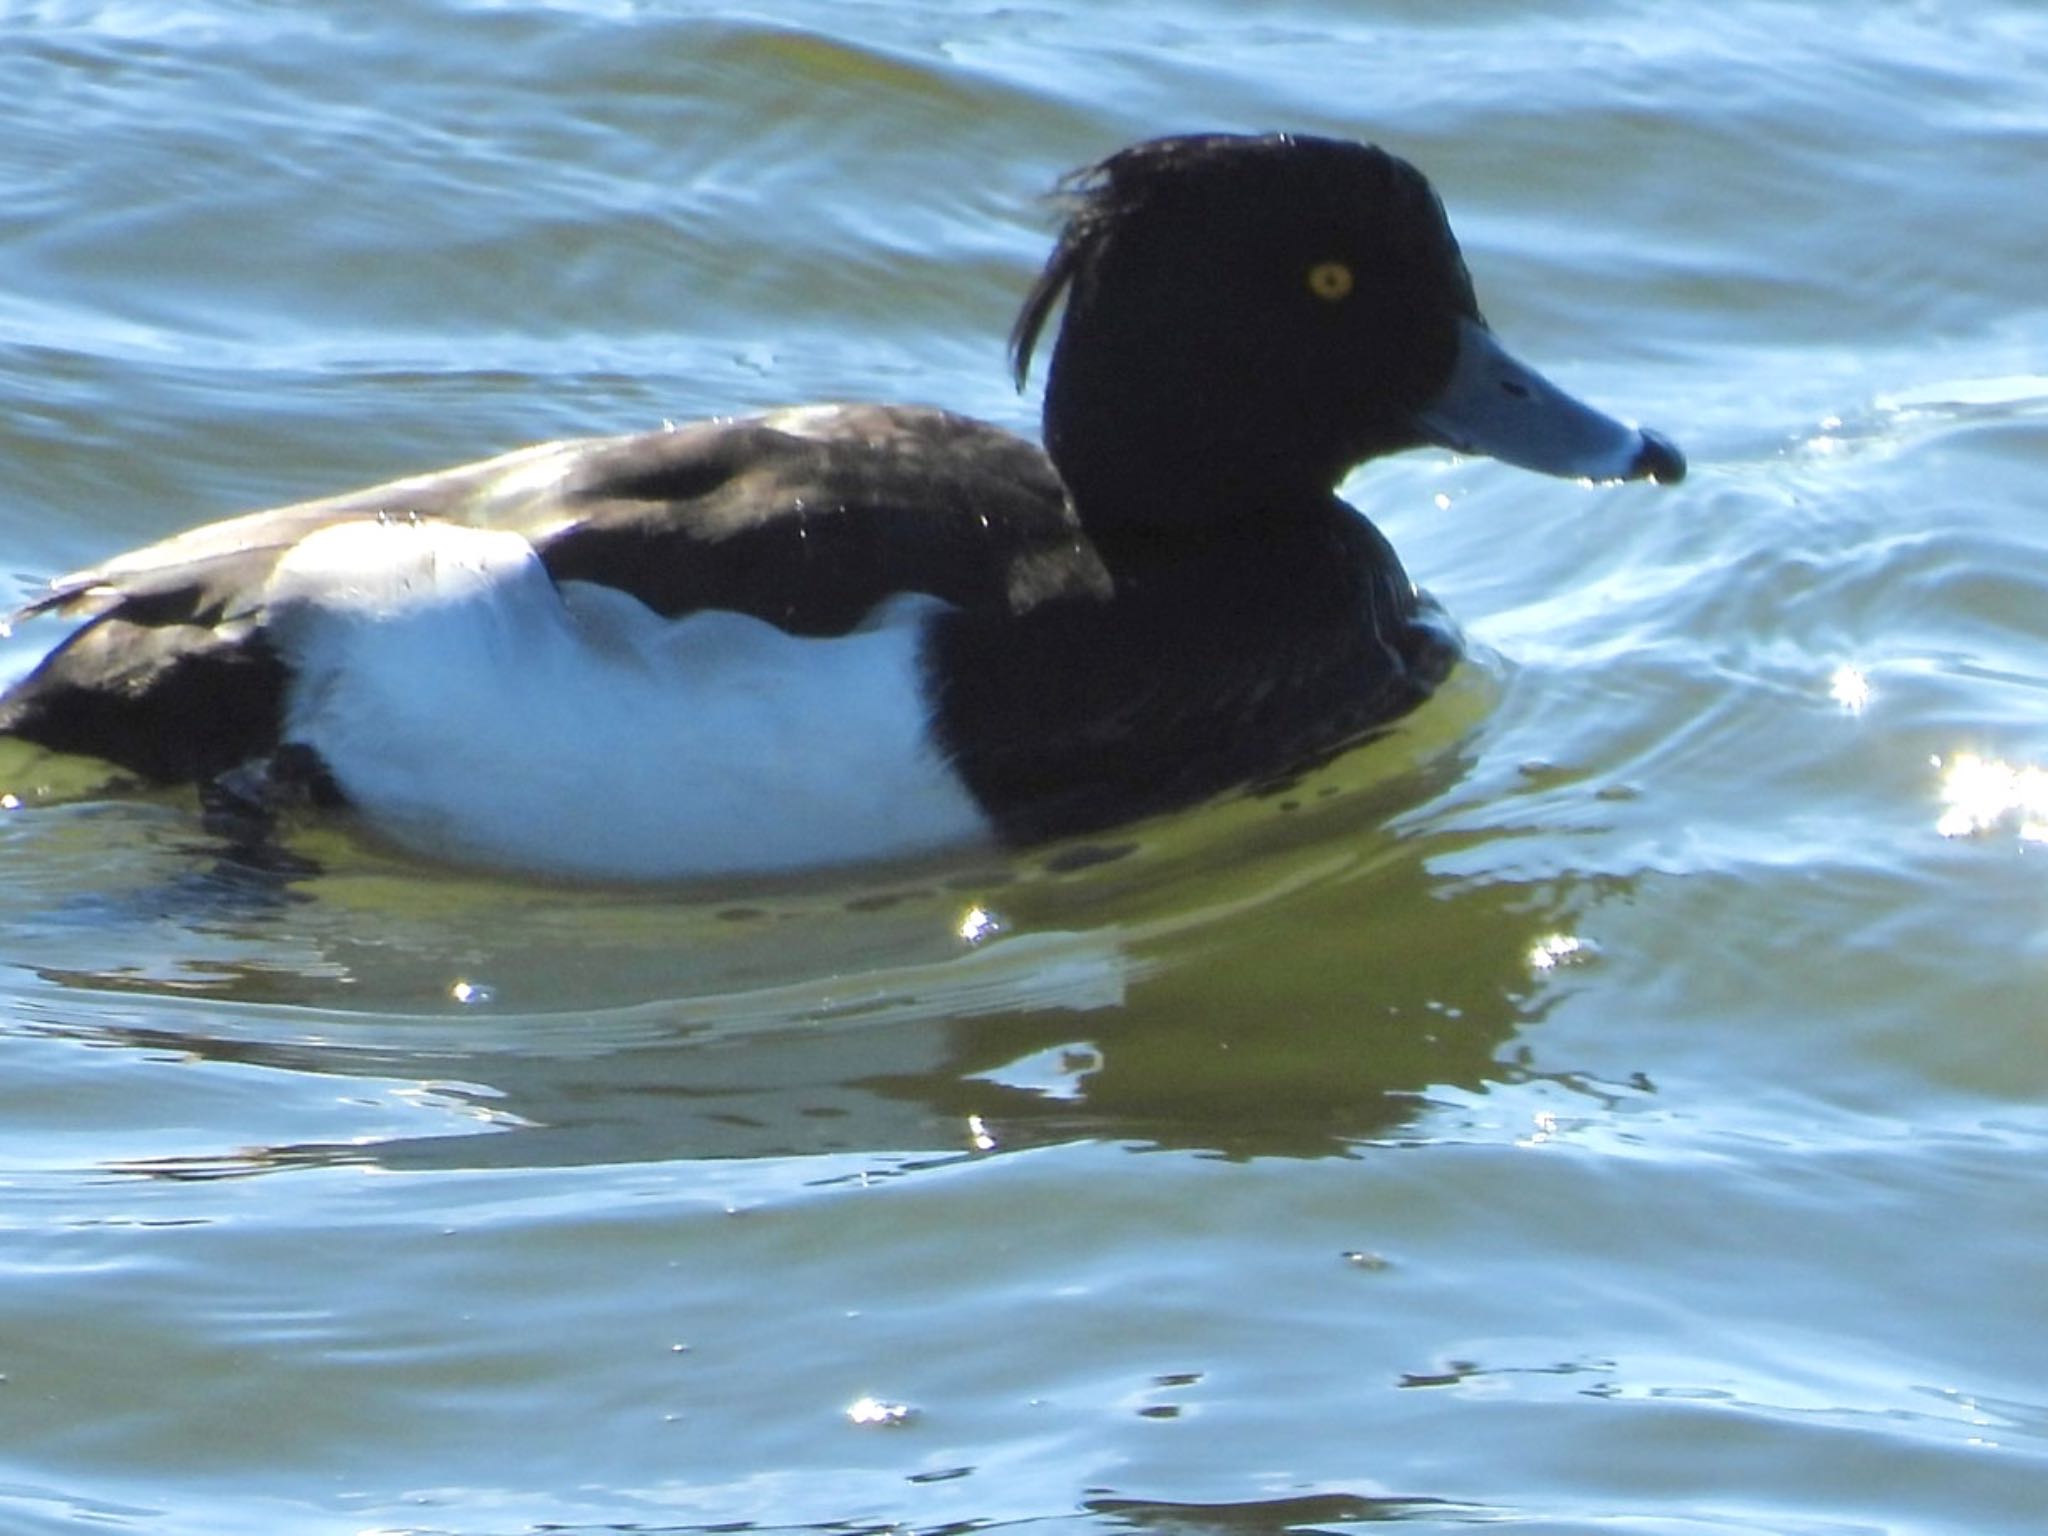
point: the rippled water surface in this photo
(1615, 1103)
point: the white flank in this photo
(471, 710)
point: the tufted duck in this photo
(843, 632)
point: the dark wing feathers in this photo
(171, 702)
(811, 518)
(806, 518)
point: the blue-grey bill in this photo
(1504, 409)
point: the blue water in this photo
(1616, 1103)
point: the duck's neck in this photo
(1127, 471)
(1170, 446)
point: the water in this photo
(1615, 1104)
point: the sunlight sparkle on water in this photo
(1849, 688)
(872, 1410)
(1979, 794)
(977, 924)
(1555, 950)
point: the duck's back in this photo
(808, 519)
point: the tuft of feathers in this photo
(1193, 169)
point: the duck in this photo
(841, 633)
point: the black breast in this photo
(1230, 657)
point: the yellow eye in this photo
(1330, 281)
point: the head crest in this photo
(1098, 197)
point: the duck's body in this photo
(845, 632)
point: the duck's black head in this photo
(1249, 318)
